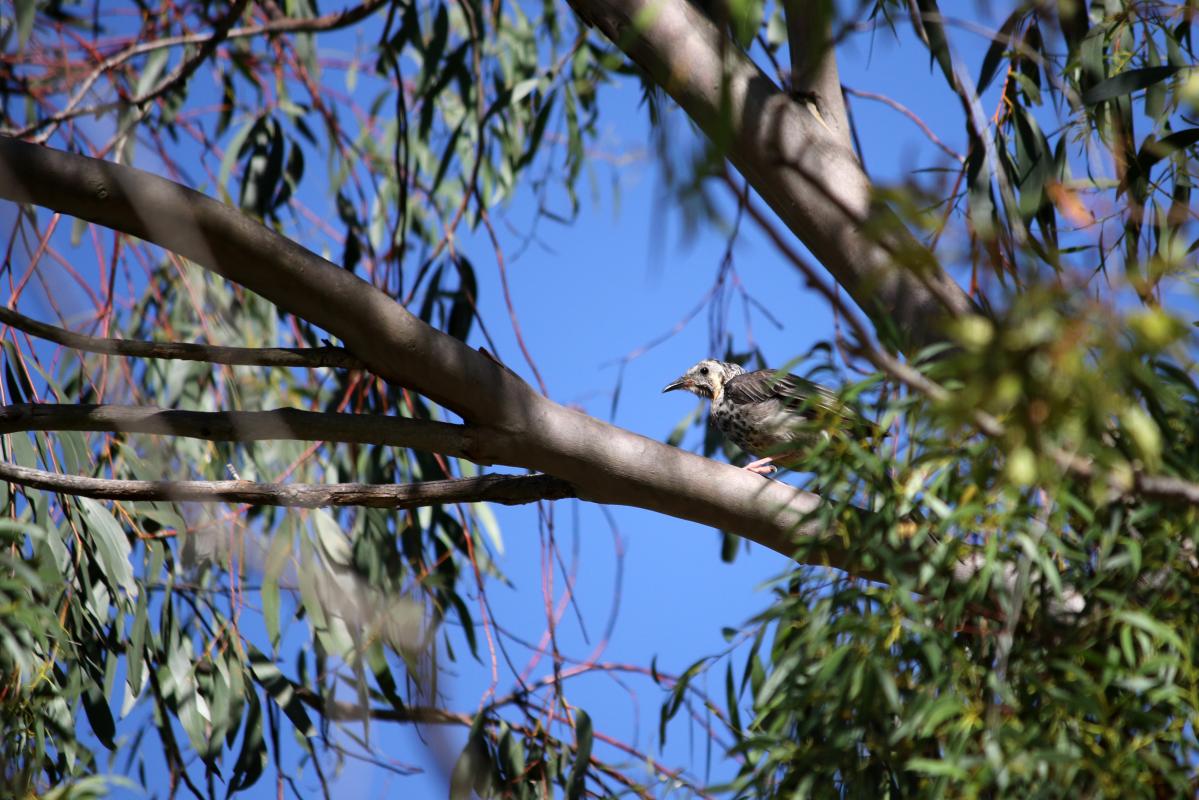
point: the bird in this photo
(764, 412)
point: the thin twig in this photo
(327, 22)
(312, 357)
(907, 112)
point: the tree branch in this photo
(503, 489)
(600, 462)
(814, 76)
(605, 464)
(243, 426)
(512, 423)
(185, 351)
(823, 195)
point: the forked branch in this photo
(814, 76)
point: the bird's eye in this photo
(703, 370)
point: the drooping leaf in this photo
(281, 690)
(577, 784)
(1000, 43)
(1126, 83)
(252, 757)
(112, 546)
(933, 27)
(471, 770)
(154, 66)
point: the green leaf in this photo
(93, 787)
(745, 19)
(1126, 83)
(26, 13)
(292, 174)
(99, 716)
(730, 543)
(263, 151)
(999, 45)
(1155, 628)
(577, 784)
(281, 690)
(937, 767)
(1155, 95)
(1154, 150)
(228, 104)
(470, 771)
(468, 624)
(436, 44)
(112, 545)
(252, 758)
(155, 63)
(1090, 57)
(334, 544)
(277, 558)
(19, 388)
(78, 228)
(489, 524)
(512, 751)
(1034, 161)
(462, 312)
(234, 150)
(135, 661)
(732, 701)
(523, 89)
(938, 45)
(980, 200)
(76, 457)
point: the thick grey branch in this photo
(185, 351)
(806, 172)
(242, 426)
(504, 489)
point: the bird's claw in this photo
(762, 466)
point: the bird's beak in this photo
(682, 383)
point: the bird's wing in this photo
(790, 390)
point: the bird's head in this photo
(706, 379)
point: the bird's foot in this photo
(762, 466)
